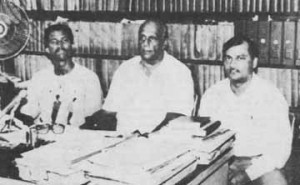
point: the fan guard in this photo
(14, 29)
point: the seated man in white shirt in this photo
(256, 110)
(150, 89)
(66, 92)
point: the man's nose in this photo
(61, 44)
(58, 44)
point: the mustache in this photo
(145, 50)
(233, 70)
(230, 70)
(59, 49)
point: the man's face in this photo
(59, 48)
(238, 63)
(151, 43)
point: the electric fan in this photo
(14, 35)
(14, 29)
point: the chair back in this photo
(292, 119)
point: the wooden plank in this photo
(213, 168)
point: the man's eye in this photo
(142, 39)
(65, 40)
(241, 58)
(148, 39)
(54, 41)
(152, 39)
(227, 58)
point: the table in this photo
(215, 173)
(188, 172)
(7, 181)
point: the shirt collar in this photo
(251, 87)
(150, 69)
(68, 74)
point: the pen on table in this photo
(215, 134)
(117, 136)
(71, 111)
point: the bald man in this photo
(150, 89)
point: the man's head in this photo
(58, 43)
(240, 56)
(153, 36)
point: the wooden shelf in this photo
(187, 61)
(112, 57)
(170, 17)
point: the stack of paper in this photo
(57, 157)
(143, 160)
(163, 157)
(201, 134)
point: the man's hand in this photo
(239, 178)
(101, 120)
(169, 116)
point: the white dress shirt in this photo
(260, 118)
(142, 101)
(79, 92)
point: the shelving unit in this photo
(103, 37)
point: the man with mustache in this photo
(76, 88)
(150, 89)
(256, 111)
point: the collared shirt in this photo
(142, 101)
(260, 118)
(78, 92)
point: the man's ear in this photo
(166, 44)
(47, 50)
(255, 63)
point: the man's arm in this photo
(93, 96)
(26, 119)
(30, 107)
(207, 105)
(114, 97)
(180, 99)
(278, 140)
(105, 118)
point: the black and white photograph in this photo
(149, 92)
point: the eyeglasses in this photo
(239, 58)
(150, 39)
(58, 42)
(45, 128)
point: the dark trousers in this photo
(275, 177)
